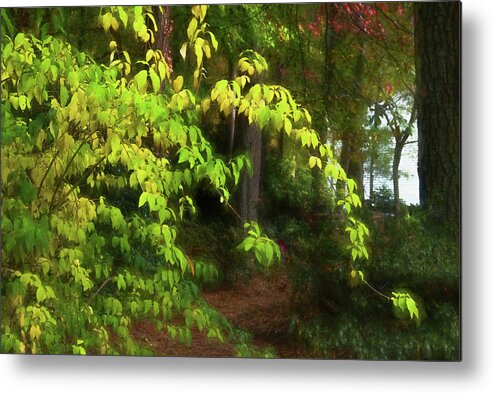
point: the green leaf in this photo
(312, 162)
(264, 117)
(123, 15)
(143, 198)
(115, 143)
(40, 294)
(121, 282)
(314, 139)
(287, 126)
(134, 307)
(351, 184)
(63, 95)
(412, 308)
(269, 253)
(73, 79)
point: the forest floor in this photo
(260, 306)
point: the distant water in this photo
(408, 181)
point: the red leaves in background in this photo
(359, 18)
(363, 18)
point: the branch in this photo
(375, 290)
(95, 293)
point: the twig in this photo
(101, 287)
(376, 290)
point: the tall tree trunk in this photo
(437, 42)
(252, 145)
(250, 185)
(351, 151)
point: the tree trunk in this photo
(437, 43)
(395, 175)
(232, 119)
(165, 27)
(351, 151)
(250, 185)
(372, 180)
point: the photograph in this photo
(257, 180)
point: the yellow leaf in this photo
(114, 23)
(192, 27)
(196, 11)
(203, 12)
(163, 70)
(178, 83)
(206, 105)
(149, 55)
(207, 51)
(106, 21)
(183, 50)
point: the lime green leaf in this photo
(143, 198)
(40, 294)
(287, 126)
(264, 117)
(123, 16)
(412, 308)
(73, 79)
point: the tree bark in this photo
(399, 146)
(165, 28)
(250, 185)
(437, 43)
(351, 150)
(372, 180)
(232, 119)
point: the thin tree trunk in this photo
(395, 175)
(232, 119)
(372, 179)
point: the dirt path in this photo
(260, 306)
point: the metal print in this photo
(257, 180)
